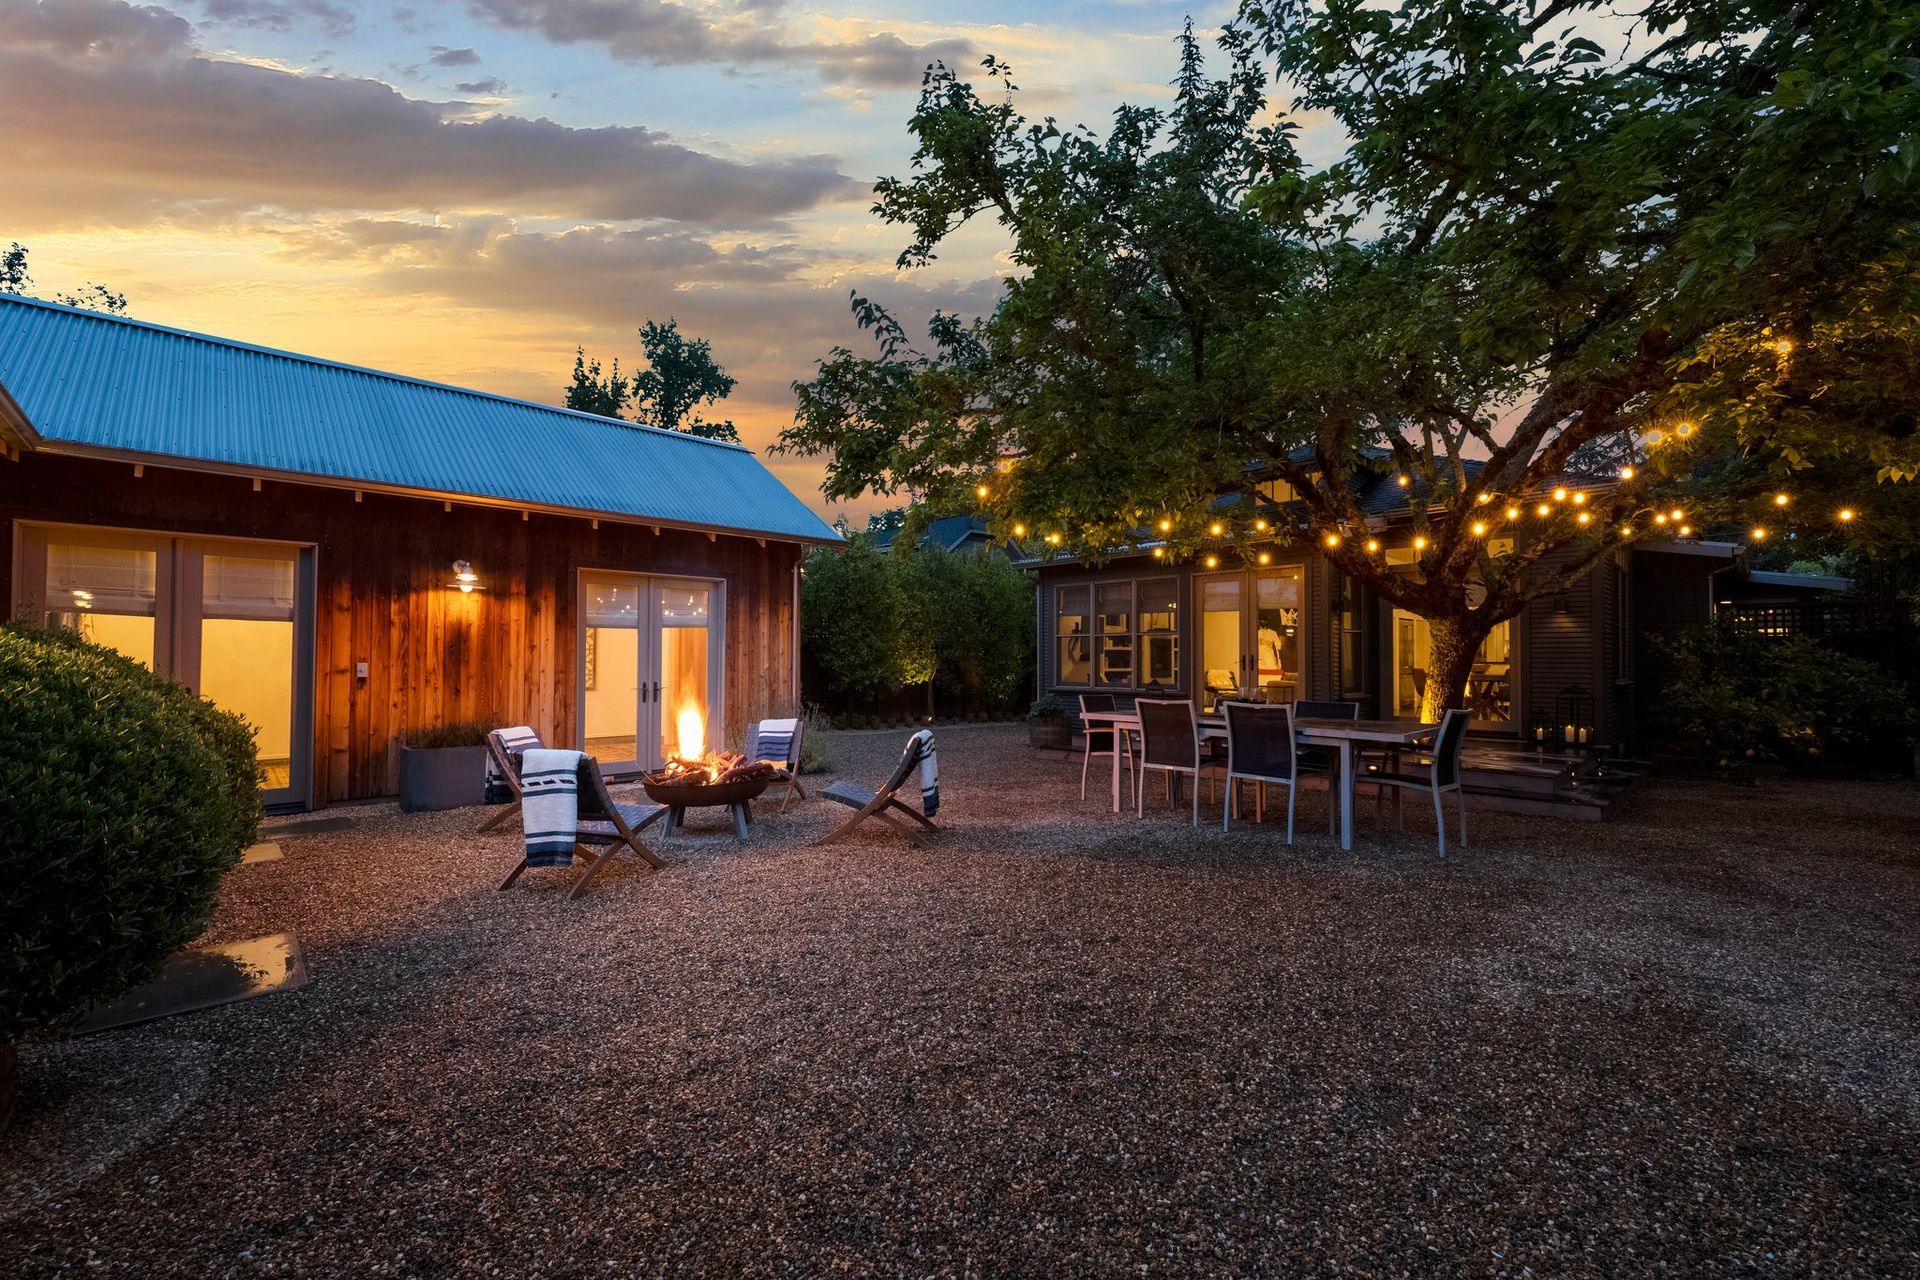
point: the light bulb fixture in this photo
(1265, 558)
(1420, 542)
(1585, 517)
(1846, 514)
(1479, 528)
(1333, 540)
(464, 578)
(1781, 499)
(1626, 472)
(1513, 513)
(1166, 526)
(1580, 499)
(1759, 534)
(1559, 495)
(1403, 480)
(1213, 562)
(1373, 544)
(1019, 531)
(1261, 525)
(1216, 528)
(981, 490)
(1543, 510)
(1159, 553)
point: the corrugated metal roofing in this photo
(96, 382)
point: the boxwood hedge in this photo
(123, 800)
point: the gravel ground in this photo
(1053, 1043)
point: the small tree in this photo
(680, 380)
(1690, 259)
(16, 278)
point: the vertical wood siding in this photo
(505, 655)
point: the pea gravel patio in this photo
(1054, 1043)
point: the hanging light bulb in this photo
(1419, 542)
(1559, 495)
(1580, 499)
(1403, 480)
(1781, 499)
(1019, 531)
(1483, 499)
(1585, 517)
(1213, 562)
(1373, 544)
(1265, 558)
(1626, 472)
(1543, 510)
(1216, 528)
(1846, 513)
(1759, 534)
(981, 490)
(1166, 526)
(1479, 528)
(1513, 513)
(1261, 525)
(1333, 540)
(1159, 553)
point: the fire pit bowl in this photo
(694, 795)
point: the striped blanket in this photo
(922, 748)
(518, 738)
(773, 740)
(550, 805)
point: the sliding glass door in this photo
(649, 669)
(227, 619)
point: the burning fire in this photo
(692, 728)
(692, 764)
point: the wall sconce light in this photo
(1560, 603)
(464, 577)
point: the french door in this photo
(1252, 633)
(650, 668)
(230, 620)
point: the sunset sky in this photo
(466, 190)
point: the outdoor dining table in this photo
(1342, 736)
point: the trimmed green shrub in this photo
(464, 733)
(124, 799)
(1737, 698)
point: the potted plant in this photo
(444, 767)
(1047, 727)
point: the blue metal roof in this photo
(97, 384)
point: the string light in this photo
(1580, 499)
(1213, 562)
(1216, 528)
(1684, 430)
(1019, 531)
(1054, 539)
(1626, 531)
(1584, 517)
(1159, 553)
(1261, 525)
(1403, 479)
(1166, 526)
(1781, 499)
(1686, 531)
(1759, 534)
(1559, 495)
(981, 490)
(1373, 544)
(1677, 513)
(1784, 346)
(1479, 528)
(1660, 518)
(1483, 499)
(1655, 437)
(1333, 540)
(1513, 513)
(1543, 510)
(1626, 472)
(1846, 513)
(1420, 542)
(1265, 558)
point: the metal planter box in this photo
(442, 777)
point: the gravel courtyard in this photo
(1054, 1042)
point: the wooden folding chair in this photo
(880, 804)
(503, 753)
(790, 770)
(604, 823)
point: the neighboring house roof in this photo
(96, 385)
(1799, 581)
(948, 533)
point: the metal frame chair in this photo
(1260, 749)
(1170, 745)
(1442, 774)
(1118, 740)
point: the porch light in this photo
(1846, 513)
(82, 599)
(464, 577)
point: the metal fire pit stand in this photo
(737, 797)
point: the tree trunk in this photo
(1455, 644)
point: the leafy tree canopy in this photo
(1677, 241)
(680, 380)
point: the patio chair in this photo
(1092, 740)
(1170, 746)
(503, 770)
(779, 740)
(884, 804)
(598, 821)
(1440, 775)
(1260, 749)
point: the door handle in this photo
(656, 691)
(643, 691)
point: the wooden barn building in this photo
(348, 557)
